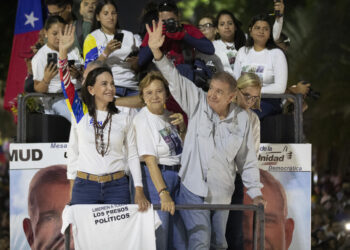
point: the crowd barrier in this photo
(30, 134)
(258, 219)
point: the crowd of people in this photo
(331, 212)
(177, 107)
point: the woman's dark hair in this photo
(97, 24)
(52, 20)
(270, 44)
(88, 99)
(239, 38)
(149, 13)
(168, 5)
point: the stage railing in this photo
(258, 220)
(298, 112)
(22, 113)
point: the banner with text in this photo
(39, 191)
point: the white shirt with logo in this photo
(156, 136)
(111, 227)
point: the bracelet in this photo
(104, 54)
(163, 190)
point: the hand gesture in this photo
(133, 62)
(67, 38)
(75, 72)
(178, 120)
(259, 200)
(279, 6)
(50, 72)
(167, 203)
(156, 37)
(141, 200)
(112, 46)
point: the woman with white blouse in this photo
(113, 46)
(262, 57)
(232, 38)
(101, 138)
(248, 98)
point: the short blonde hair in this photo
(250, 80)
(149, 78)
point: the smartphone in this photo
(71, 63)
(119, 37)
(51, 58)
(277, 12)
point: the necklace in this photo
(101, 147)
(228, 47)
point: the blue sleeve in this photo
(145, 56)
(202, 44)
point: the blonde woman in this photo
(248, 98)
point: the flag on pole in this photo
(29, 22)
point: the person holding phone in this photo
(261, 56)
(45, 70)
(112, 45)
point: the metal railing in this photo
(22, 113)
(258, 219)
(298, 112)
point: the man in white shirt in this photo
(219, 136)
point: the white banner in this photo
(37, 155)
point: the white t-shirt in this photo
(227, 54)
(94, 45)
(39, 63)
(82, 153)
(269, 65)
(156, 136)
(110, 227)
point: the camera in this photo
(171, 25)
(51, 58)
(312, 93)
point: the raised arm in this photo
(74, 103)
(183, 90)
(277, 26)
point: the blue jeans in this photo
(205, 229)
(122, 91)
(170, 235)
(91, 192)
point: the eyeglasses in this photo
(249, 98)
(205, 26)
(58, 13)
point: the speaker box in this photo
(47, 128)
(277, 129)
